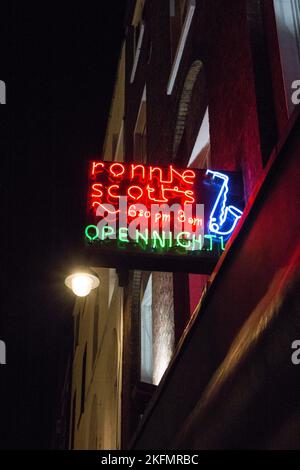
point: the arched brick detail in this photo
(184, 103)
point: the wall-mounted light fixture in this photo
(82, 282)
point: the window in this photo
(177, 15)
(83, 380)
(146, 334)
(287, 14)
(137, 34)
(138, 39)
(157, 325)
(140, 132)
(200, 157)
(181, 15)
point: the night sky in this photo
(59, 65)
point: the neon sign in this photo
(144, 184)
(165, 211)
(162, 239)
(223, 218)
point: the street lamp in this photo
(82, 282)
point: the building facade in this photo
(167, 360)
(95, 414)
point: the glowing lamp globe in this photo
(82, 283)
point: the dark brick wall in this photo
(265, 249)
(234, 130)
(232, 83)
(220, 36)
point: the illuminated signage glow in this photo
(219, 215)
(165, 240)
(165, 211)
